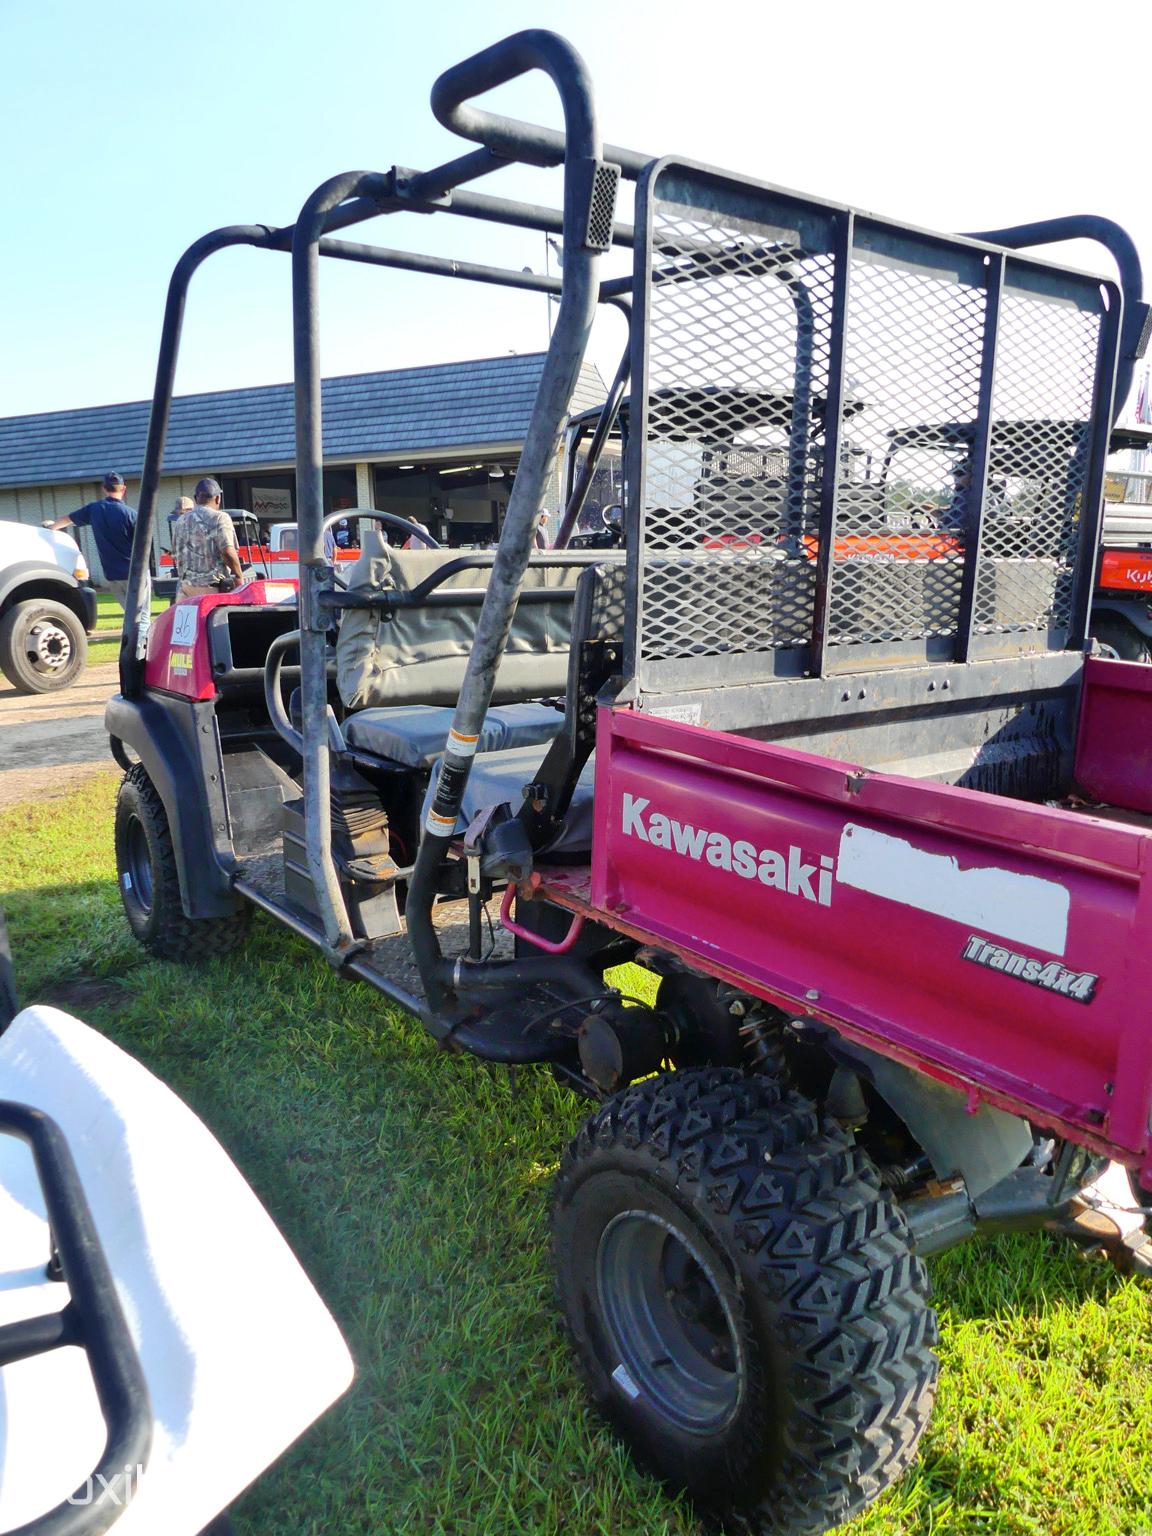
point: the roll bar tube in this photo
(316, 576)
(131, 664)
(263, 236)
(381, 193)
(509, 137)
(1120, 246)
(608, 418)
(581, 150)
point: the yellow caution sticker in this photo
(440, 826)
(462, 746)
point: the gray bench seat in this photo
(414, 734)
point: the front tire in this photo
(1122, 638)
(150, 883)
(43, 646)
(744, 1299)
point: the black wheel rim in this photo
(138, 864)
(669, 1323)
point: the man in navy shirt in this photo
(113, 523)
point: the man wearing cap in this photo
(204, 545)
(181, 505)
(113, 522)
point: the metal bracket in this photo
(537, 796)
(401, 178)
(596, 185)
(317, 590)
(1145, 332)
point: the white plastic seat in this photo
(239, 1353)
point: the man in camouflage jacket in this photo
(204, 545)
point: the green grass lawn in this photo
(109, 612)
(101, 651)
(414, 1186)
(109, 616)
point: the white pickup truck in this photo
(47, 608)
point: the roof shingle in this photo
(407, 410)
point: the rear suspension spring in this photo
(760, 1035)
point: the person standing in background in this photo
(337, 537)
(181, 504)
(414, 541)
(204, 545)
(113, 524)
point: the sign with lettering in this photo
(272, 504)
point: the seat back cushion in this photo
(420, 654)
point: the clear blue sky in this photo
(131, 128)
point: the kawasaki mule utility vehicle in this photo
(847, 782)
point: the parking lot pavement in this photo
(48, 740)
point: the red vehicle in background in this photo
(1122, 606)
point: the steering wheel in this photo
(365, 514)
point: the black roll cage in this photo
(588, 225)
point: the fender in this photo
(82, 600)
(177, 743)
(983, 1145)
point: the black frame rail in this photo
(93, 1320)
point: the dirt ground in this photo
(49, 740)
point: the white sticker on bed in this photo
(1000, 901)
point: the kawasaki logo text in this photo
(785, 871)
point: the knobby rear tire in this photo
(801, 1277)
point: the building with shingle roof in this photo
(440, 443)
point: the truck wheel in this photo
(150, 885)
(744, 1299)
(42, 646)
(1122, 638)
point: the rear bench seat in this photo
(414, 734)
(400, 676)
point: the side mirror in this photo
(613, 516)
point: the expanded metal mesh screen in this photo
(740, 320)
(912, 353)
(1038, 461)
(775, 534)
